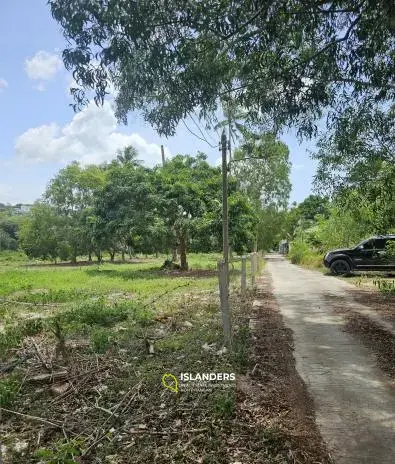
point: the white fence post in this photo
(253, 268)
(243, 275)
(224, 299)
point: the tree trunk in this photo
(175, 254)
(90, 256)
(183, 254)
(112, 256)
(123, 255)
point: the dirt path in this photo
(354, 401)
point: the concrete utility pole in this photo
(223, 265)
(163, 155)
(225, 219)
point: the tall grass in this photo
(301, 253)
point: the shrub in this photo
(13, 335)
(298, 251)
(100, 340)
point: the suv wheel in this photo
(340, 267)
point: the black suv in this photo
(369, 255)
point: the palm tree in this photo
(129, 156)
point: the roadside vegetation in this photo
(82, 355)
(97, 339)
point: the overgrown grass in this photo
(109, 315)
(301, 253)
(385, 286)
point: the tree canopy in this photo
(291, 60)
(123, 207)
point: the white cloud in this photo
(90, 137)
(43, 66)
(3, 84)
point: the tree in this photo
(124, 209)
(270, 227)
(128, 156)
(261, 167)
(313, 206)
(357, 166)
(9, 227)
(71, 193)
(7, 242)
(287, 60)
(41, 233)
(340, 229)
(188, 188)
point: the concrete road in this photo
(354, 401)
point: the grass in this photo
(9, 389)
(107, 316)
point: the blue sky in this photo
(39, 131)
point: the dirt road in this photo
(354, 400)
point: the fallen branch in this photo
(48, 377)
(35, 418)
(168, 432)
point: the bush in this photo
(13, 335)
(340, 230)
(298, 251)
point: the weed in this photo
(225, 404)
(100, 340)
(301, 253)
(54, 296)
(385, 286)
(240, 348)
(9, 388)
(63, 452)
(9, 338)
(97, 312)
